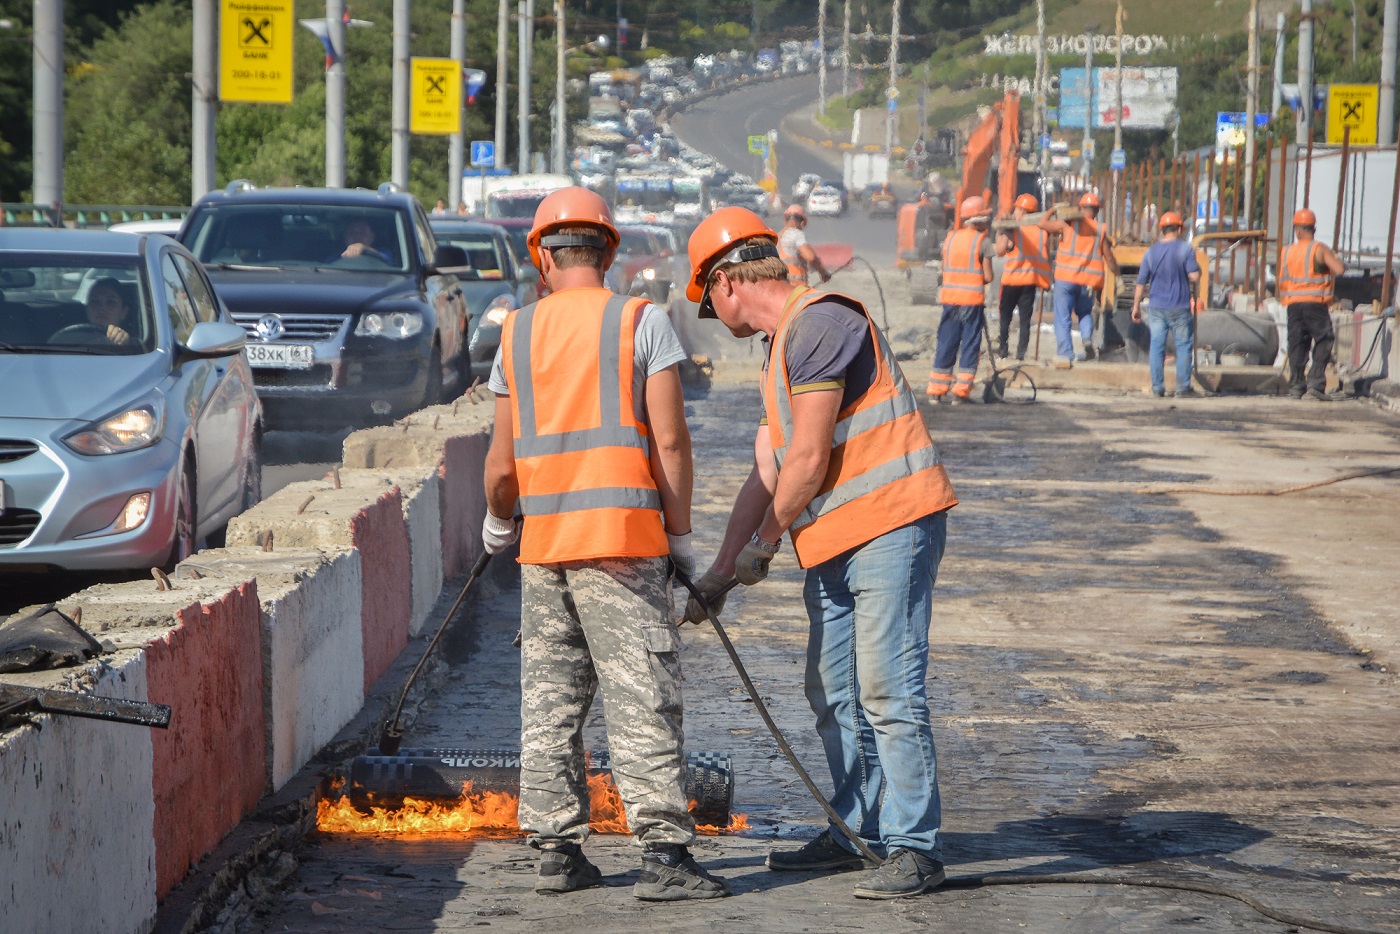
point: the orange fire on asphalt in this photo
(487, 813)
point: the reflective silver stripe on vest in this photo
(612, 497)
(569, 442)
(925, 458)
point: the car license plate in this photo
(280, 356)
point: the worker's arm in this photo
(502, 484)
(814, 261)
(986, 269)
(1106, 251)
(1051, 224)
(1004, 242)
(750, 506)
(804, 465)
(671, 464)
(1137, 302)
(1329, 260)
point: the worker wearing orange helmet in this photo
(799, 256)
(591, 449)
(1026, 273)
(967, 268)
(1083, 255)
(1305, 284)
(1167, 276)
(861, 492)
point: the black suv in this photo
(344, 293)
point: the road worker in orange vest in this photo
(1080, 260)
(1026, 273)
(1305, 283)
(844, 465)
(967, 268)
(799, 256)
(591, 449)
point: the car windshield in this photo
(484, 254)
(514, 203)
(372, 239)
(74, 304)
(636, 243)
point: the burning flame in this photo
(488, 813)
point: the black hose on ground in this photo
(884, 312)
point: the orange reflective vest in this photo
(581, 446)
(1299, 280)
(884, 471)
(962, 268)
(1028, 263)
(1080, 259)
(792, 257)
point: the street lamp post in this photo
(48, 102)
(1088, 144)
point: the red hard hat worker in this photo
(1304, 217)
(714, 242)
(1027, 203)
(573, 207)
(1169, 219)
(974, 209)
(1089, 200)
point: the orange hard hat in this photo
(713, 242)
(1027, 202)
(795, 210)
(974, 208)
(571, 207)
(1089, 200)
(1170, 219)
(1304, 218)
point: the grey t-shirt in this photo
(829, 347)
(655, 346)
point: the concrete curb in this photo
(266, 651)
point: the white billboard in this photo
(1149, 98)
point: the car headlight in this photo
(649, 274)
(395, 324)
(132, 429)
(499, 310)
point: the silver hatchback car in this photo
(129, 426)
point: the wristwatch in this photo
(767, 547)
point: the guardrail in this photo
(88, 215)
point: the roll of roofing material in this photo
(440, 774)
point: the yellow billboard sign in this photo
(435, 107)
(1356, 106)
(255, 51)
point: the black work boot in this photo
(820, 855)
(903, 874)
(671, 874)
(566, 869)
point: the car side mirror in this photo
(450, 257)
(210, 340)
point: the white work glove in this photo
(682, 553)
(752, 564)
(709, 585)
(498, 534)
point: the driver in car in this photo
(359, 241)
(107, 308)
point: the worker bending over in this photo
(1305, 285)
(800, 258)
(1027, 271)
(845, 466)
(967, 268)
(591, 448)
(1082, 256)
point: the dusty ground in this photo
(1125, 684)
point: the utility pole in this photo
(1038, 121)
(821, 50)
(846, 51)
(1251, 108)
(48, 103)
(502, 78)
(456, 145)
(335, 96)
(205, 75)
(1390, 23)
(1086, 160)
(1118, 104)
(398, 149)
(522, 90)
(1280, 39)
(561, 120)
(1305, 72)
(894, 75)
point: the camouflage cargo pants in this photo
(603, 624)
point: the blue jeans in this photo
(1183, 328)
(1072, 298)
(959, 338)
(867, 659)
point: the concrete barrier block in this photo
(76, 812)
(313, 657)
(422, 515)
(463, 475)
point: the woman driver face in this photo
(105, 305)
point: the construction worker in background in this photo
(1305, 289)
(591, 448)
(1027, 271)
(1082, 256)
(1168, 274)
(967, 268)
(792, 245)
(846, 467)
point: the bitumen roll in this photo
(440, 774)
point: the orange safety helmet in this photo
(1170, 219)
(712, 243)
(1027, 203)
(571, 207)
(974, 208)
(1089, 200)
(1304, 218)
